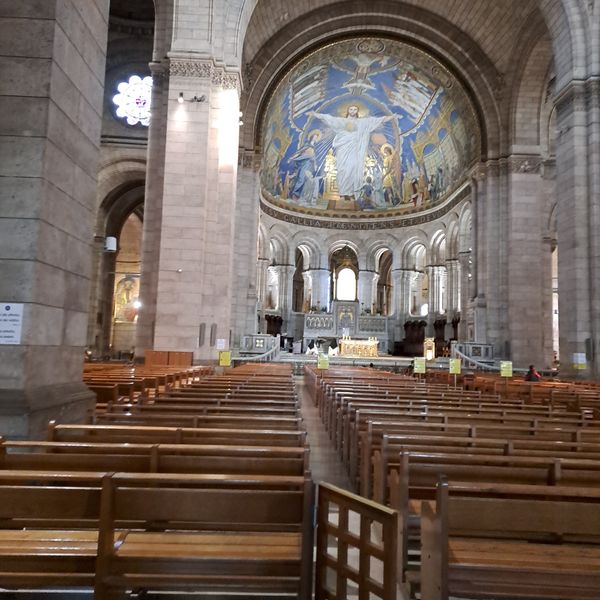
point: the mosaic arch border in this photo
(296, 137)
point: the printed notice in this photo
(221, 344)
(454, 365)
(323, 361)
(506, 368)
(11, 323)
(579, 360)
(225, 358)
(420, 365)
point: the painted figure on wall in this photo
(398, 134)
(350, 146)
(305, 185)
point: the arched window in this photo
(346, 285)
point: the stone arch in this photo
(374, 250)
(567, 23)
(262, 241)
(452, 237)
(121, 189)
(415, 25)
(411, 253)
(339, 244)
(310, 248)
(465, 221)
(438, 247)
(529, 89)
(279, 250)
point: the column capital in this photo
(184, 65)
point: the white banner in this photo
(11, 323)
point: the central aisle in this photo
(325, 464)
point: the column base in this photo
(24, 414)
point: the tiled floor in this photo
(324, 461)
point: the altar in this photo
(359, 348)
(343, 321)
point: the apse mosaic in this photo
(367, 125)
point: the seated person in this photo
(334, 349)
(532, 374)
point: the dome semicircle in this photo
(366, 130)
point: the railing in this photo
(475, 364)
(269, 356)
(357, 546)
(472, 363)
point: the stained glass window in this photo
(133, 100)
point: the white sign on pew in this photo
(11, 323)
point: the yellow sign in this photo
(506, 368)
(420, 364)
(323, 361)
(454, 366)
(224, 358)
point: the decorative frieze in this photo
(525, 164)
(204, 69)
(361, 225)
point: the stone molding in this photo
(130, 26)
(525, 164)
(204, 69)
(360, 223)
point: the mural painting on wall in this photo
(367, 125)
(126, 298)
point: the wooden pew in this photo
(55, 527)
(370, 438)
(154, 458)
(515, 542)
(169, 419)
(174, 435)
(386, 458)
(234, 540)
(415, 479)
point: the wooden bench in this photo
(174, 435)
(154, 458)
(386, 458)
(416, 474)
(115, 532)
(369, 437)
(234, 540)
(169, 419)
(516, 542)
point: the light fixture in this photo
(200, 98)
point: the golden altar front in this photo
(359, 348)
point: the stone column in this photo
(262, 268)
(525, 269)
(286, 290)
(197, 216)
(320, 287)
(244, 284)
(434, 295)
(307, 297)
(366, 280)
(453, 285)
(52, 59)
(466, 284)
(577, 225)
(153, 207)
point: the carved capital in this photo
(525, 164)
(183, 67)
